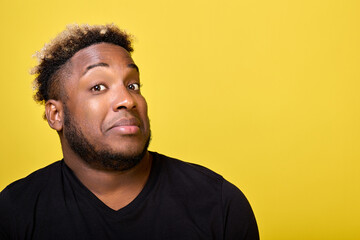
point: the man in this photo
(109, 186)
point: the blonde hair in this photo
(54, 55)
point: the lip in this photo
(126, 126)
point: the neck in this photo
(114, 188)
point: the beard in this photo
(103, 159)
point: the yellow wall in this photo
(264, 92)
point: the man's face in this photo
(105, 115)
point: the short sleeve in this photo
(238, 217)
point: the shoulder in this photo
(177, 166)
(185, 173)
(33, 181)
(196, 176)
(207, 188)
(22, 193)
(18, 198)
(239, 218)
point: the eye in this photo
(98, 88)
(134, 86)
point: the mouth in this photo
(126, 126)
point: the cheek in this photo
(143, 112)
(142, 105)
(94, 107)
(91, 113)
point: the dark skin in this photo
(103, 97)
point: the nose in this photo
(123, 99)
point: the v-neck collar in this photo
(139, 199)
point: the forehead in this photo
(99, 53)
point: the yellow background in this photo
(266, 93)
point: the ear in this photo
(54, 114)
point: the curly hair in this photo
(55, 55)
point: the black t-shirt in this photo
(179, 201)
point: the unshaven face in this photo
(105, 115)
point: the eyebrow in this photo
(133, 65)
(102, 64)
